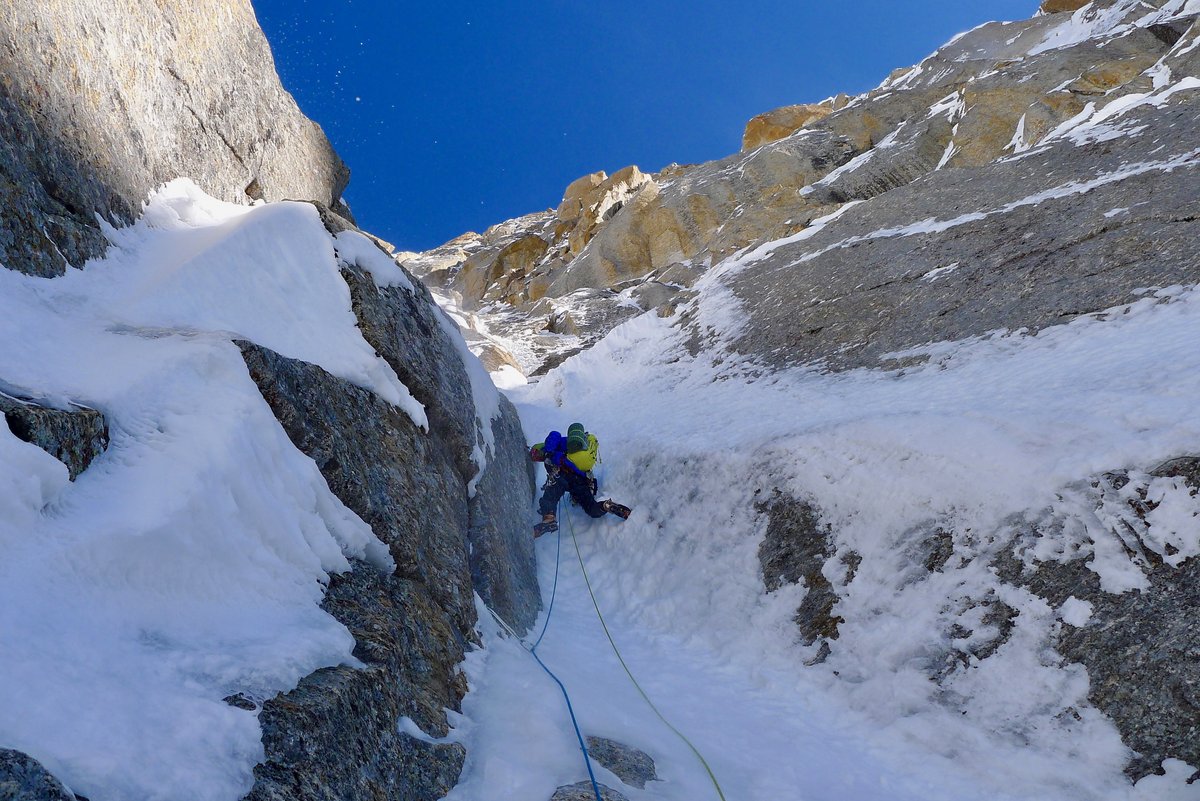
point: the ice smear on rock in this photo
(187, 563)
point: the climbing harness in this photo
(532, 649)
(712, 777)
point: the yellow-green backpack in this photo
(586, 458)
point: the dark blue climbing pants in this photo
(562, 481)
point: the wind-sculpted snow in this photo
(187, 563)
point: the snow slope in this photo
(989, 429)
(187, 563)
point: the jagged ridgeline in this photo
(997, 159)
(187, 486)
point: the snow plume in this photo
(989, 432)
(187, 563)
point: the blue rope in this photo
(553, 592)
(587, 760)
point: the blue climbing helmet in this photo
(555, 450)
(555, 446)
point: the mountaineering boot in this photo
(548, 524)
(614, 508)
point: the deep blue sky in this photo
(457, 115)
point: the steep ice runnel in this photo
(989, 428)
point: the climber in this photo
(569, 461)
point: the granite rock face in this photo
(22, 778)
(1058, 6)
(337, 734)
(995, 117)
(781, 122)
(1034, 250)
(100, 102)
(503, 566)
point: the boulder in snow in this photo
(22, 778)
(583, 791)
(74, 437)
(631, 765)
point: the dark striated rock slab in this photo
(858, 290)
(632, 766)
(336, 736)
(412, 335)
(405, 329)
(1185, 467)
(73, 437)
(1141, 648)
(400, 480)
(583, 791)
(22, 778)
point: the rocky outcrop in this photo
(126, 96)
(631, 765)
(583, 791)
(337, 735)
(1010, 99)
(74, 437)
(794, 550)
(1139, 647)
(783, 122)
(22, 778)
(1058, 6)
